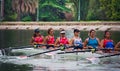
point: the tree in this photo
(110, 9)
(2, 9)
(24, 6)
(52, 10)
(76, 7)
(93, 10)
(115, 10)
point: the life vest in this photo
(108, 43)
(38, 39)
(92, 42)
(51, 40)
(63, 40)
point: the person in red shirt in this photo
(37, 38)
(107, 42)
(62, 40)
(49, 39)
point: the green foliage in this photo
(9, 15)
(110, 9)
(98, 9)
(115, 10)
(93, 10)
(52, 10)
(26, 18)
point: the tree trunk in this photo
(19, 12)
(2, 9)
(18, 16)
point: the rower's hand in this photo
(62, 48)
(61, 44)
(76, 44)
(93, 50)
(90, 47)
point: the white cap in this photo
(62, 32)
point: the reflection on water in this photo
(22, 37)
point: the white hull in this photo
(66, 56)
(59, 57)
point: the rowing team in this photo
(91, 42)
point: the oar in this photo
(87, 50)
(61, 48)
(96, 60)
(28, 46)
(42, 52)
(109, 55)
(8, 50)
(24, 57)
(21, 47)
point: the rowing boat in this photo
(64, 56)
(59, 55)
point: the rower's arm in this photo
(71, 42)
(99, 43)
(85, 44)
(56, 42)
(32, 41)
(45, 40)
(102, 43)
(117, 46)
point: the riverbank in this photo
(98, 25)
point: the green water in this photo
(11, 38)
(14, 67)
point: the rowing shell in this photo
(66, 56)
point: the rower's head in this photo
(107, 34)
(76, 32)
(36, 32)
(62, 33)
(92, 33)
(50, 31)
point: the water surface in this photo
(11, 38)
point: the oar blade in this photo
(21, 57)
(93, 60)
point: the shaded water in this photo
(10, 38)
(22, 37)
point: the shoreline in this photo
(85, 26)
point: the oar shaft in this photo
(47, 51)
(28, 46)
(42, 53)
(21, 47)
(74, 51)
(109, 55)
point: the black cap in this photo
(36, 30)
(76, 30)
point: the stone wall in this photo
(98, 25)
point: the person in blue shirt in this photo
(92, 41)
(76, 41)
